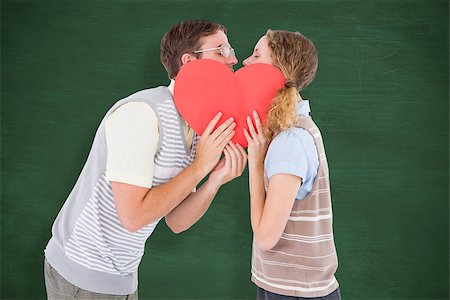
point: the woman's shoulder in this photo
(294, 135)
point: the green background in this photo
(380, 98)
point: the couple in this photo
(146, 162)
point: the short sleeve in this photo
(132, 139)
(286, 155)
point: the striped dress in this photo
(89, 246)
(304, 261)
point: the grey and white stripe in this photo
(304, 261)
(99, 241)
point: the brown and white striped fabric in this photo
(304, 261)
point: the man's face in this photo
(217, 40)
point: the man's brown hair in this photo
(184, 37)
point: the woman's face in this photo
(261, 54)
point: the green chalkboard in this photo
(380, 98)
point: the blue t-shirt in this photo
(293, 151)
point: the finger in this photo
(245, 162)
(225, 134)
(233, 160)
(220, 163)
(227, 159)
(219, 140)
(225, 140)
(244, 156)
(247, 136)
(212, 124)
(257, 122)
(251, 128)
(241, 158)
(234, 155)
(241, 149)
(237, 165)
(222, 128)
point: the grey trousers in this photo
(265, 295)
(60, 289)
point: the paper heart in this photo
(205, 87)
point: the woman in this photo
(294, 256)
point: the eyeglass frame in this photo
(221, 48)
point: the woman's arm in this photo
(269, 213)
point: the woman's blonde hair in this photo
(296, 57)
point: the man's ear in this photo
(185, 58)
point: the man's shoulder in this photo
(152, 94)
(152, 97)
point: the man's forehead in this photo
(215, 40)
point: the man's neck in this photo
(171, 86)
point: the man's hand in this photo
(209, 149)
(231, 166)
(212, 144)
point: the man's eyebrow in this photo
(256, 50)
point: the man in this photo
(144, 164)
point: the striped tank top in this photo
(304, 261)
(89, 246)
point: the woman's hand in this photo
(257, 142)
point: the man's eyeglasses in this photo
(225, 50)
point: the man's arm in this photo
(188, 212)
(138, 206)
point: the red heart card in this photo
(205, 87)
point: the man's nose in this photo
(246, 62)
(232, 60)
